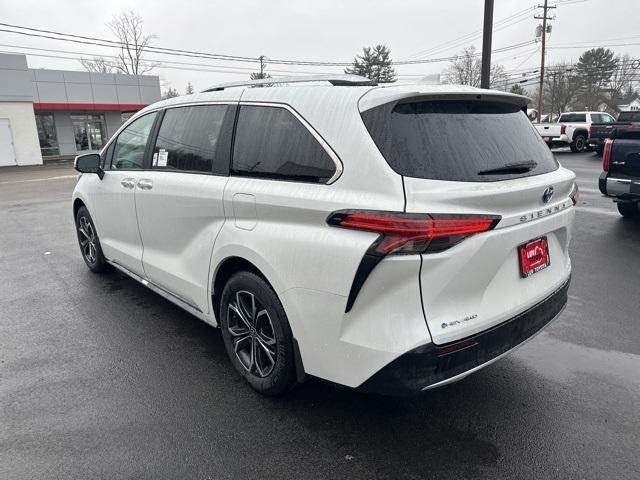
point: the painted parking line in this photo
(59, 177)
(598, 211)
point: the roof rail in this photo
(336, 80)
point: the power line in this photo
(189, 53)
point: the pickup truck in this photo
(620, 178)
(571, 130)
(599, 132)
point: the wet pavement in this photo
(101, 378)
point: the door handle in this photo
(145, 184)
(128, 182)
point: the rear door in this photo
(180, 199)
(470, 157)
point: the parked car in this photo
(572, 129)
(599, 132)
(620, 178)
(345, 231)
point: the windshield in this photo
(629, 117)
(458, 140)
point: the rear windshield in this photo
(458, 140)
(629, 117)
(573, 118)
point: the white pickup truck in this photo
(571, 130)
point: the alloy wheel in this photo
(252, 334)
(87, 240)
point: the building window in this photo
(125, 116)
(47, 134)
(89, 132)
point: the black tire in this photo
(629, 210)
(258, 340)
(89, 242)
(579, 144)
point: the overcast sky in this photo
(323, 30)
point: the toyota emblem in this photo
(548, 193)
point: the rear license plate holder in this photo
(533, 256)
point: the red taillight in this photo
(563, 129)
(408, 233)
(575, 194)
(606, 154)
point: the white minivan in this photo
(388, 238)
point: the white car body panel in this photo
(188, 225)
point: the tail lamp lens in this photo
(606, 154)
(575, 194)
(405, 233)
(563, 129)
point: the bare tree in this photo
(189, 90)
(466, 69)
(97, 64)
(127, 27)
(622, 79)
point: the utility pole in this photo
(487, 33)
(544, 19)
(261, 58)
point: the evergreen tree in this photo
(374, 63)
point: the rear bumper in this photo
(595, 142)
(430, 366)
(622, 188)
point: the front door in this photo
(115, 207)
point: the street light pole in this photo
(487, 32)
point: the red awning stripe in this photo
(102, 107)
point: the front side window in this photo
(130, 145)
(271, 142)
(188, 139)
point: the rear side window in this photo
(271, 142)
(188, 139)
(458, 140)
(573, 118)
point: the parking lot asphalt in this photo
(102, 378)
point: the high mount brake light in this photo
(606, 154)
(413, 233)
(406, 233)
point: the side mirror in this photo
(89, 163)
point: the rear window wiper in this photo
(522, 167)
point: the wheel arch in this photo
(77, 203)
(225, 270)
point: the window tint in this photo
(629, 117)
(106, 156)
(272, 143)
(457, 140)
(596, 118)
(572, 118)
(131, 143)
(188, 139)
(607, 118)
